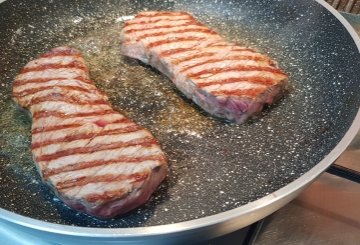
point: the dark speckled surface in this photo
(215, 166)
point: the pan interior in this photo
(215, 166)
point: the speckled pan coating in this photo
(215, 166)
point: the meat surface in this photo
(226, 80)
(95, 159)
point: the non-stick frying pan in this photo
(223, 176)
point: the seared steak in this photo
(225, 79)
(95, 159)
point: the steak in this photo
(225, 79)
(95, 159)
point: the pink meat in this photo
(226, 80)
(95, 159)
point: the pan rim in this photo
(224, 220)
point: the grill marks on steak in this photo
(94, 158)
(225, 79)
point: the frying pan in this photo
(223, 176)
